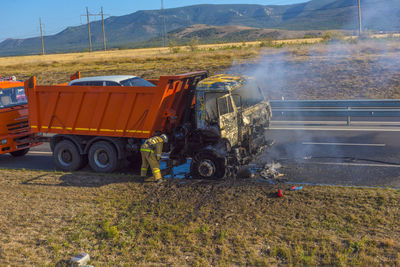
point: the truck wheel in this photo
(207, 165)
(19, 153)
(103, 157)
(66, 156)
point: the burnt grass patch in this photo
(369, 70)
(48, 217)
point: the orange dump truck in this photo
(100, 123)
(15, 136)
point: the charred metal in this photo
(226, 128)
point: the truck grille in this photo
(19, 127)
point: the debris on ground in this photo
(295, 188)
(270, 171)
(79, 260)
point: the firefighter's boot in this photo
(153, 179)
(156, 176)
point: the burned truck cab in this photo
(231, 115)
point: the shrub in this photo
(173, 47)
(267, 43)
(193, 44)
(109, 232)
(333, 37)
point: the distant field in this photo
(148, 63)
(369, 69)
(120, 54)
(294, 70)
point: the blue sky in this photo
(20, 18)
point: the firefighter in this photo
(151, 154)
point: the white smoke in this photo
(367, 69)
(380, 15)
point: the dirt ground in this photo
(48, 217)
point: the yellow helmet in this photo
(164, 138)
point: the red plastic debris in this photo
(280, 193)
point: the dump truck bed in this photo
(136, 112)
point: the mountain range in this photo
(143, 27)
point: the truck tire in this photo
(103, 157)
(66, 156)
(19, 153)
(207, 165)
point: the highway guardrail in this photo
(284, 109)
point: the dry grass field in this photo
(338, 71)
(144, 53)
(367, 69)
(47, 217)
(147, 63)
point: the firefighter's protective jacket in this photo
(153, 145)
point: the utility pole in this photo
(359, 18)
(88, 24)
(104, 33)
(41, 34)
(102, 23)
(164, 30)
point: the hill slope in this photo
(214, 34)
(145, 25)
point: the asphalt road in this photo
(38, 158)
(334, 157)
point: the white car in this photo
(114, 80)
